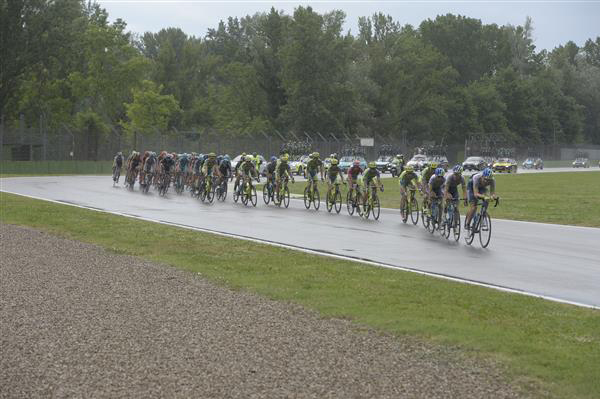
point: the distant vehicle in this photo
(489, 161)
(441, 160)
(539, 164)
(528, 163)
(299, 165)
(418, 162)
(505, 165)
(383, 163)
(581, 163)
(474, 163)
(346, 162)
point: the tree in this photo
(150, 111)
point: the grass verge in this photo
(39, 168)
(561, 197)
(543, 344)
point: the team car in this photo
(533, 163)
(505, 165)
(299, 165)
(441, 160)
(581, 163)
(418, 162)
(474, 163)
(383, 163)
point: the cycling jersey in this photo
(183, 163)
(225, 168)
(271, 167)
(436, 183)
(427, 173)
(407, 178)
(118, 161)
(314, 164)
(478, 181)
(369, 175)
(454, 179)
(334, 171)
(167, 164)
(282, 168)
(208, 166)
(354, 171)
(149, 164)
(248, 168)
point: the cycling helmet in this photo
(146, 153)
(219, 159)
(212, 155)
(119, 153)
(433, 165)
(316, 155)
(372, 165)
(457, 169)
(273, 158)
(170, 156)
(356, 162)
(285, 158)
(439, 172)
(487, 172)
(409, 168)
(334, 155)
(204, 157)
(334, 161)
(226, 157)
(254, 154)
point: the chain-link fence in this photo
(66, 143)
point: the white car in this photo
(417, 162)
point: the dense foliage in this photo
(449, 77)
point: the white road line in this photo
(321, 253)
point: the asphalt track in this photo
(556, 262)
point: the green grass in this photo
(543, 345)
(562, 197)
(36, 168)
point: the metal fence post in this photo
(1, 137)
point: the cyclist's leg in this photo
(402, 196)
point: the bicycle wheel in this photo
(224, 190)
(431, 226)
(376, 208)
(328, 201)
(307, 197)
(337, 201)
(286, 197)
(414, 211)
(236, 193)
(253, 196)
(349, 204)
(485, 230)
(469, 236)
(266, 194)
(244, 196)
(316, 199)
(445, 225)
(404, 211)
(210, 194)
(456, 224)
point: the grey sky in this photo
(555, 22)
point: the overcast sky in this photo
(555, 22)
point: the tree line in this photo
(64, 64)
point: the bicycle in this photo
(435, 218)
(425, 211)
(165, 182)
(451, 220)
(208, 191)
(249, 193)
(116, 175)
(334, 198)
(268, 191)
(130, 179)
(222, 189)
(311, 194)
(372, 206)
(179, 183)
(352, 201)
(147, 183)
(283, 195)
(482, 224)
(411, 207)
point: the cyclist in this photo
(408, 178)
(425, 177)
(314, 166)
(398, 161)
(257, 161)
(453, 180)
(117, 163)
(282, 171)
(353, 176)
(133, 164)
(370, 175)
(477, 188)
(436, 184)
(225, 168)
(149, 164)
(247, 172)
(270, 170)
(142, 169)
(210, 167)
(167, 164)
(334, 174)
(238, 173)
